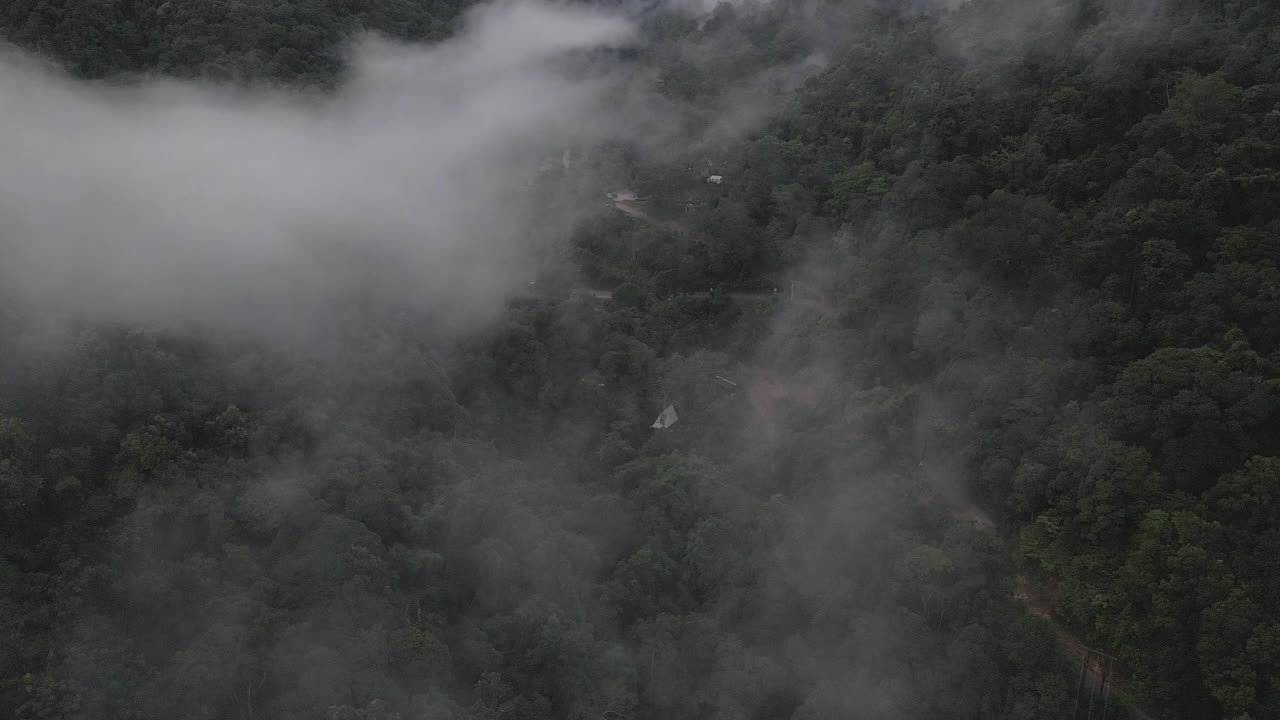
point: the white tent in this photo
(666, 419)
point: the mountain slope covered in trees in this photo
(1046, 243)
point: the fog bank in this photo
(181, 203)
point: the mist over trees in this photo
(974, 349)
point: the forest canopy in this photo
(973, 346)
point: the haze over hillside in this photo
(174, 201)
(778, 360)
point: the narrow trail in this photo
(810, 291)
(942, 468)
(740, 295)
(631, 209)
(743, 295)
(765, 390)
(943, 471)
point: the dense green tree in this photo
(1037, 267)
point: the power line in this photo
(1093, 689)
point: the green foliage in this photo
(260, 40)
(1052, 256)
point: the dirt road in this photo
(634, 210)
(739, 295)
(943, 470)
(814, 292)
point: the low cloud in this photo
(181, 203)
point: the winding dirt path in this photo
(814, 291)
(765, 391)
(739, 295)
(943, 471)
(630, 208)
(941, 467)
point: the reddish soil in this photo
(944, 473)
(1037, 599)
(766, 391)
(814, 292)
(943, 468)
